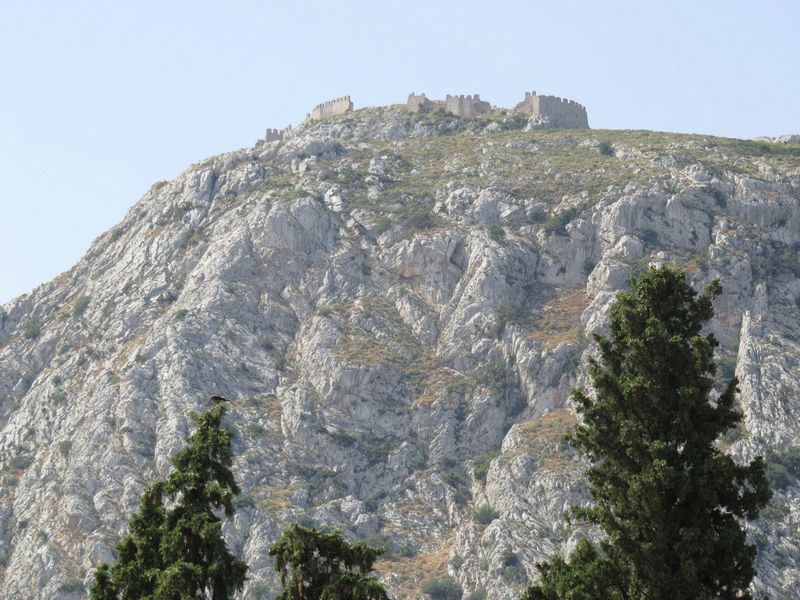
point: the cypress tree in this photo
(178, 553)
(316, 565)
(670, 502)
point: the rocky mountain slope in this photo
(397, 306)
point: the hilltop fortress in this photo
(544, 111)
(338, 106)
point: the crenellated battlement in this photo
(337, 106)
(273, 135)
(544, 111)
(466, 106)
(552, 111)
(547, 111)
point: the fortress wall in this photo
(418, 103)
(553, 111)
(338, 106)
(466, 106)
(272, 135)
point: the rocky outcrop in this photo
(397, 306)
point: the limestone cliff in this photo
(397, 305)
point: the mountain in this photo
(397, 306)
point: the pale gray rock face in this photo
(390, 302)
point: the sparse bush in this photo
(420, 219)
(70, 586)
(480, 467)
(588, 266)
(20, 462)
(508, 558)
(783, 469)
(64, 447)
(774, 259)
(31, 329)
(442, 588)
(557, 223)
(456, 561)
(484, 514)
(323, 311)
(80, 306)
(406, 551)
(58, 398)
(496, 232)
(506, 313)
(384, 224)
(718, 196)
(181, 314)
(605, 148)
(649, 236)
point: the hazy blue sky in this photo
(100, 99)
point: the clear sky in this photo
(99, 99)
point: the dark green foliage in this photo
(557, 223)
(316, 565)
(64, 446)
(71, 586)
(31, 329)
(587, 576)
(670, 503)
(649, 236)
(509, 558)
(775, 258)
(605, 148)
(80, 306)
(496, 232)
(588, 266)
(20, 462)
(420, 218)
(174, 549)
(441, 588)
(484, 514)
(480, 467)
(783, 469)
(506, 313)
(718, 196)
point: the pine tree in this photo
(315, 565)
(179, 553)
(669, 501)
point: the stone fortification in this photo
(466, 106)
(339, 106)
(552, 111)
(421, 103)
(547, 111)
(272, 135)
(461, 106)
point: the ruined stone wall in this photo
(338, 106)
(417, 103)
(273, 135)
(552, 111)
(466, 106)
